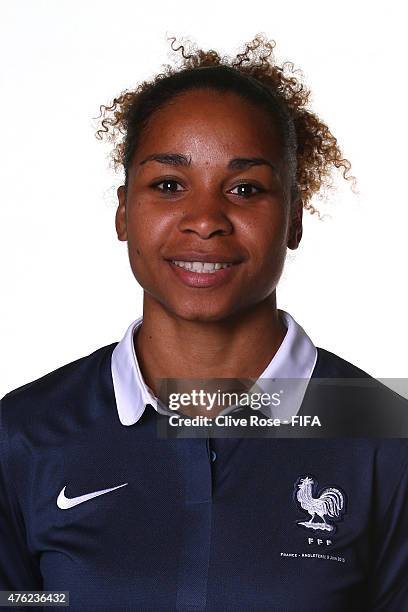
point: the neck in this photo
(240, 346)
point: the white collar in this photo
(295, 359)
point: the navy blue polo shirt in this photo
(126, 520)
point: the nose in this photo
(205, 215)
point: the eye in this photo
(245, 192)
(169, 185)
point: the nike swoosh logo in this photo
(69, 502)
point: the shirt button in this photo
(213, 455)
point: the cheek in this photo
(266, 239)
(143, 224)
(148, 229)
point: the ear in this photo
(295, 224)
(120, 218)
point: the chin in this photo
(201, 312)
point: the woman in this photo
(220, 159)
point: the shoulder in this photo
(57, 388)
(329, 364)
(354, 402)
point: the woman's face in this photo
(195, 198)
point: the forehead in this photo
(208, 123)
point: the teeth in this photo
(200, 267)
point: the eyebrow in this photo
(237, 163)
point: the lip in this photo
(203, 279)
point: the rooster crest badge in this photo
(328, 502)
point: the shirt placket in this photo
(195, 464)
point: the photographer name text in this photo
(252, 421)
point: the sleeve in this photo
(390, 576)
(18, 569)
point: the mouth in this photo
(201, 267)
(203, 273)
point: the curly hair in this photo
(311, 151)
